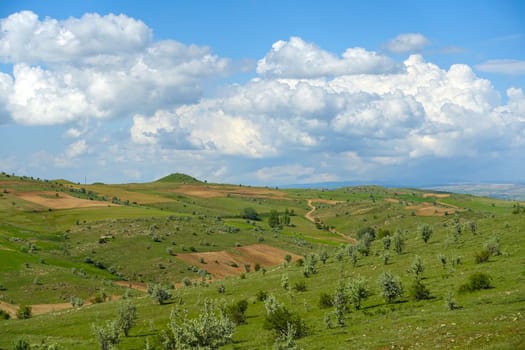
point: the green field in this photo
(49, 255)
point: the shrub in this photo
(300, 286)
(482, 256)
(24, 312)
(108, 335)
(358, 291)
(387, 241)
(477, 281)
(21, 344)
(237, 311)
(262, 295)
(391, 287)
(426, 232)
(127, 316)
(366, 231)
(76, 301)
(418, 291)
(493, 246)
(4, 315)
(325, 300)
(159, 293)
(399, 242)
(279, 319)
(209, 330)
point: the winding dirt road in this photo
(309, 216)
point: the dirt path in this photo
(309, 216)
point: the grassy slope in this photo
(489, 319)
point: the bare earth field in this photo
(436, 195)
(63, 201)
(224, 263)
(211, 191)
(429, 209)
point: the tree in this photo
(273, 219)
(323, 256)
(391, 287)
(399, 242)
(426, 232)
(284, 282)
(159, 293)
(309, 265)
(211, 329)
(250, 214)
(127, 316)
(417, 267)
(419, 291)
(288, 258)
(108, 335)
(340, 300)
(366, 231)
(387, 241)
(21, 344)
(237, 311)
(358, 291)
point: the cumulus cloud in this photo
(96, 67)
(507, 66)
(418, 111)
(296, 58)
(407, 42)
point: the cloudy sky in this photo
(264, 92)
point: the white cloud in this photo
(96, 67)
(507, 66)
(76, 149)
(407, 42)
(299, 59)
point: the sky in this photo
(266, 92)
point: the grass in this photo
(491, 318)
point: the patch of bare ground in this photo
(211, 191)
(50, 199)
(391, 200)
(430, 209)
(133, 285)
(230, 263)
(436, 195)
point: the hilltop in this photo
(73, 252)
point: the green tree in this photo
(391, 287)
(237, 311)
(127, 316)
(211, 329)
(339, 302)
(108, 335)
(399, 242)
(426, 232)
(358, 291)
(21, 344)
(417, 267)
(250, 214)
(323, 256)
(273, 219)
(159, 293)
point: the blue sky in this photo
(264, 92)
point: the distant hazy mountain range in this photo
(502, 191)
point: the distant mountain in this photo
(179, 178)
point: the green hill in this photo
(179, 179)
(53, 255)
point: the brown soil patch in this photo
(212, 191)
(63, 201)
(133, 285)
(436, 195)
(230, 263)
(429, 209)
(391, 200)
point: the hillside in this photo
(62, 243)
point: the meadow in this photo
(135, 235)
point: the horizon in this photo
(264, 93)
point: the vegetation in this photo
(428, 294)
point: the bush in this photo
(391, 287)
(237, 311)
(300, 286)
(426, 232)
(279, 319)
(21, 344)
(127, 317)
(482, 256)
(159, 293)
(477, 281)
(4, 315)
(108, 335)
(262, 295)
(418, 291)
(325, 300)
(24, 312)
(366, 230)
